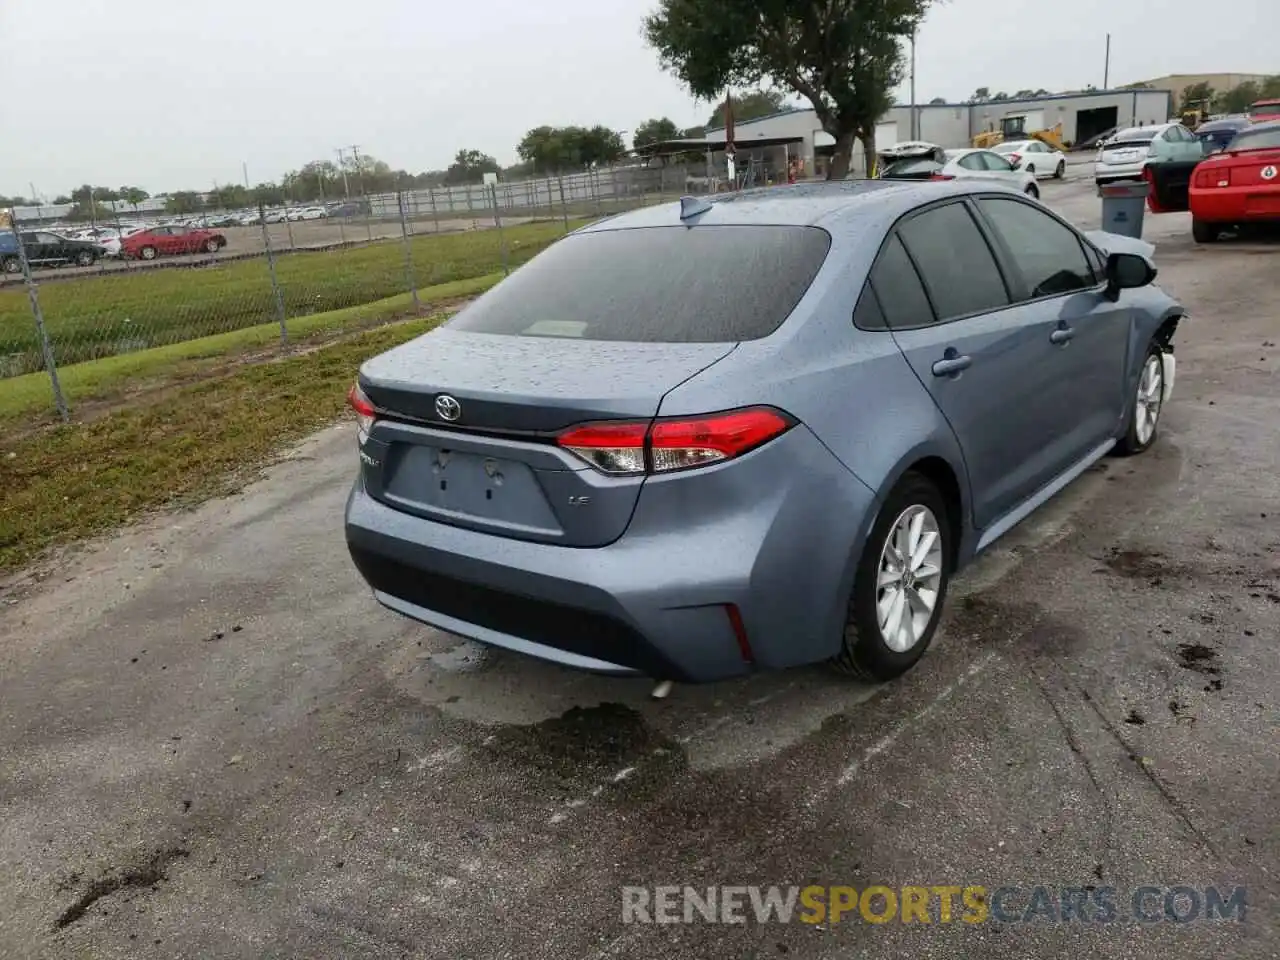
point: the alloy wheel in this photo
(1150, 396)
(908, 578)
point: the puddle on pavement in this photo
(588, 744)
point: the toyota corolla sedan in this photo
(754, 431)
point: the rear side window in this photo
(1047, 254)
(899, 294)
(705, 284)
(957, 266)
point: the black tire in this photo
(1204, 232)
(1033, 192)
(148, 253)
(1061, 170)
(212, 245)
(12, 265)
(1133, 441)
(864, 652)
(85, 258)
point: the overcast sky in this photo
(169, 94)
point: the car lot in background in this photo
(1035, 157)
(926, 161)
(1239, 186)
(167, 241)
(1124, 155)
(608, 392)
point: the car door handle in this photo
(951, 365)
(1061, 335)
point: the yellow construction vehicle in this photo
(1015, 128)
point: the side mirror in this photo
(1126, 271)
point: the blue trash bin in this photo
(1124, 206)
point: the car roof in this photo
(876, 203)
(1149, 131)
(1227, 123)
(1265, 125)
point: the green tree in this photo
(470, 166)
(133, 196)
(843, 56)
(1238, 98)
(937, 100)
(693, 133)
(655, 131)
(982, 93)
(749, 105)
(62, 198)
(553, 149)
(268, 194)
(1270, 88)
(1000, 96)
(15, 201)
(1198, 96)
(184, 201)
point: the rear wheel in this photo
(85, 258)
(1031, 169)
(900, 584)
(12, 265)
(1148, 401)
(147, 253)
(1204, 232)
(212, 245)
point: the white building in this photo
(1082, 115)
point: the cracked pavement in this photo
(214, 743)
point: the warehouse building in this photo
(1081, 115)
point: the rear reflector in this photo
(365, 410)
(941, 176)
(680, 443)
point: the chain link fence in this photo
(76, 294)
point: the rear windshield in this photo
(1134, 137)
(1256, 139)
(707, 284)
(911, 168)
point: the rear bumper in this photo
(1231, 205)
(775, 534)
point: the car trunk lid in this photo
(467, 426)
(1125, 152)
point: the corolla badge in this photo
(448, 408)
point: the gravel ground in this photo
(214, 744)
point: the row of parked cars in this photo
(46, 248)
(1226, 172)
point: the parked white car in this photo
(312, 213)
(1034, 156)
(1123, 156)
(928, 161)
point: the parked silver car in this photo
(1123, 156)
(754, 431)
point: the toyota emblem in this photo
(448, 408)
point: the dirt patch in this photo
(146, 874)
(1141, 565)
(1199, 658)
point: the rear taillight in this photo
(629, 447)
(941, 176)
(1212, 175)
(366, 413)
(1151, 150)
(1015, 158)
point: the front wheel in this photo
(1061, 171)
(1148, 401)
(85, 258)
(1203, 232)
(12, 265)
(900, 584)
(148, 253)
(1033, 191)
(212, 245)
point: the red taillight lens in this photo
(1015, 158)
(1212, 175)
(676, 444)
(941, 176)
(365, 410)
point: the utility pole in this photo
(342, 165)
(244, 166)
(914, 134)
(355, 153)
(1106, 68)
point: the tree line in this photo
(1202, 96)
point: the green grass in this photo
(22, 396)
(114, 313)
(82, 479)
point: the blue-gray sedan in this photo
(752, 431)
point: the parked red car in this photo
(167, 240)
(1239, 186)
